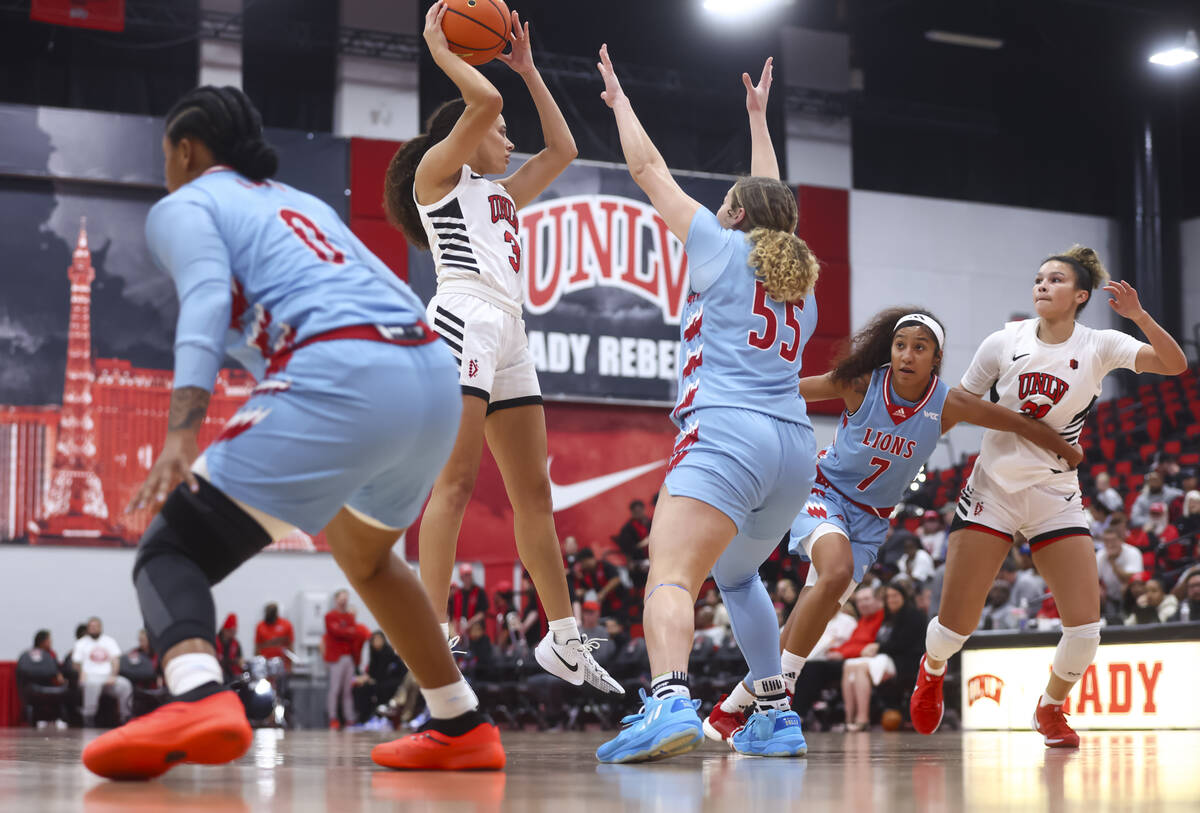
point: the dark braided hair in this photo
(398, 200)
(229, 125)
(871, 347)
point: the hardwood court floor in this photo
(857, 773)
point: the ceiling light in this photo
(1180, 55)
(739, 8)
(965, 40)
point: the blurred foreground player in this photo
(355, 411)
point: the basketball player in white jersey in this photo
(436, 192)
(1050, 368)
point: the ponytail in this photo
(399, 202)
(227, 122)
(785, 263)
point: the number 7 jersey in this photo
(738, 347)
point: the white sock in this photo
(186, 672)
(445, 625)
(1047, 700)
(738, 699)
(564, 629)
(941, 670)
(770, 694)
(792, 664)
(451, 701)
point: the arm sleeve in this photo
(985, 367)
(709, 248)
(184, 241)
(1117, 350)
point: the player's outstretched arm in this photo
(826, 388)
(763, 161)
(963, 407)
(646, 164)
(538, 172)
(1163, 355)
(444, 160)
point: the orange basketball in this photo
(891, 720)
(477, 30)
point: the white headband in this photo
(928, 322)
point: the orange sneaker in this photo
(1051, 723)
(926, 705)
(211, 731)
(719, 725)
(430, 750)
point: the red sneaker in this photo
(926, 705)
(211, 731)
(1051, 723)
(477, 750)
(335, 725)
(720, 724)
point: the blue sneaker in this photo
(663, 728)
(771, 733)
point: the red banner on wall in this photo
(104, 15)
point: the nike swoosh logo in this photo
(1023, 355)
(565, 496)
(561, 660)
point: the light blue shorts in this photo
(750, 466)
(346, 422)
(825, 506)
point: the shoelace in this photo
(589, 645)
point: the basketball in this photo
(477, 30)
(891, 719)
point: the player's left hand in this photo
(520, 58)
(174, 465)
(1124, 299)
(612, 87)
(756, 95)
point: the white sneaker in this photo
(573, 662)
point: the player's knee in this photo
(456, 489)
(836, 578)
(941, 642)
(361, 565)
(1076, 650)
(532, 496)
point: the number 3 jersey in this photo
(472, 234)
(1054, 383)
(260, 267)
(879, 449)
(738, 347)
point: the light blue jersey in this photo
(878, 450)
(738, 347)
(260, 267)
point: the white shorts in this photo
(1041, 513)
(491, 349)
(880, 667)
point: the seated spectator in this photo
(1155, 490)
(1117, 563)
(140, 664)
(1189, 515)
(712, 597)
(1187, 593)
(383, 676)
(1029, 590)
(1188, 482)
(274, 636)
(42, 685)
(531, 625)
(895, 653)
(1099, 516)
(1129, 601)
(1168, 466)
(97, 658)
(932, 534)
(706, 628)
(916, 563)
(1154, 606)
(815, 675)
(786, 596)
(1106, 495)
(837, 632)
(634, 541)
(481, 655)
(468, 603)
(601, 582)
(229, 651)
(1155, 532)
(998, 612)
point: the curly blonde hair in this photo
(787, 266)
(1090, 273)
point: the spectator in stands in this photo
(376, 686)
(706, 628)
(342, 650)
(634, 541)
(1129, 601)
(892, 549)
(837, 632)
(895, 653)
(43, 684)
(97, 659)
(932, 534)
(274, 636)
(1188, 482)
(1098, 517)
(1117, 562)
(480, 652)
(1168, 467)
(1029, 590)
(1106, 495)
(600, 581)
(229, 651)
(916, 563)
(468, 602)
(1155, 490)
(817, 674)
(786, 596)
(628, 663)
(998, 612)
(531, 625)
(1189, 519)
(1155, 532)
(592, 627)
(140, 664)
(1189, 596)
(1154, 606)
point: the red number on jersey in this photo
(311, 236)
(1035, 410)
(515, 259)
(766, 339)
(881, 466)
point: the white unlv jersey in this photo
(1055, 383)
(472, 234)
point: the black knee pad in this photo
(196, 541)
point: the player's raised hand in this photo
(612, 87)
(434, 36)
(520, 58)
(1124, 299)
(756, 95)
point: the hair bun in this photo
(255, 159)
